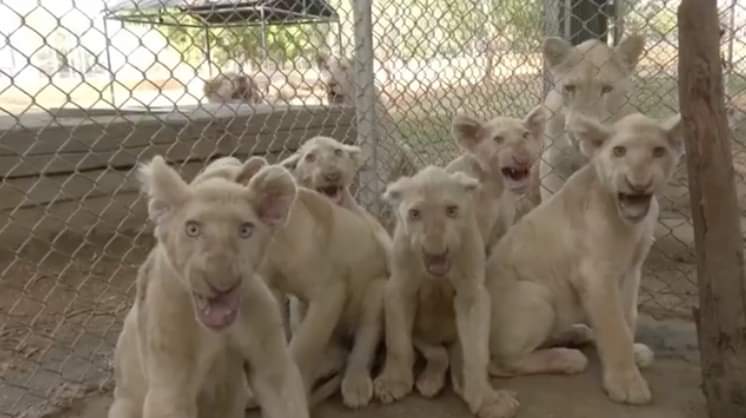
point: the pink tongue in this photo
(221, 311)
(437, 266)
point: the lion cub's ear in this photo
(249, 169)
(394, 191)
(535, 121)
(291, 162)
(466, 181)
(274, 191)
(467, 131)
(555, 50)
(591, 134)
(166, 190)
(674, 134)
(223, 167)
(355, 153)
(630, 50)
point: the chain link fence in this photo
(89, 88)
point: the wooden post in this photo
(721, 317)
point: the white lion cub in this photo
(201, 311)
(329, 167)
(593, 235)
(503, 154)
(330, 259)
(232, 88)
(590, 79)
(436, 294)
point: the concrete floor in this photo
(674, 379)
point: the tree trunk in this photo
(721, 318)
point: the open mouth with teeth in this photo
(437, 264)
(332, 191)
(634, 206)
(516, 177)
(220, 310)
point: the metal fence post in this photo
(365, 99)
(551, 27)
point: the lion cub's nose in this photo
(333, 176)
(640, 187)
(521, 158)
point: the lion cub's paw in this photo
(357, 390)
(568, 360)
(627, 386)
(499, 404)
(579, 335)
(389, 387)
(644, 356)
(430, 382)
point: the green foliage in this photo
(414, 30)
(242, 44)
(656, 20)
(520, 22)
(425, 28)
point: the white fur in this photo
(396, 157)
(329, 167)
(489, 148)
(592, 246)
(330, 259)
(232, 88)
(172, 359)
(592, 80)
(433, 304)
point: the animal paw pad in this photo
(627, 387)
(389, 389)
(357, 391)
(500, 404)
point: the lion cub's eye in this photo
(525, 135)
(338, 152)
(192, 229)
(246, 230)
(606, 89)
(658, 152)
(619, 151)
(499, 139)
(414, 214)
(452, 211)
(569, 88)
(310, 157)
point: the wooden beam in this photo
(101, 203)
(41, 134)
(721, 317)
(76, 174)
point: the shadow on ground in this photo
(674, 379)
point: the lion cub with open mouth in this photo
(577, 259)
(201, 311)
(435, 299)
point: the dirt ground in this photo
(674, 379)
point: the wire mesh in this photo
(85, 98)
